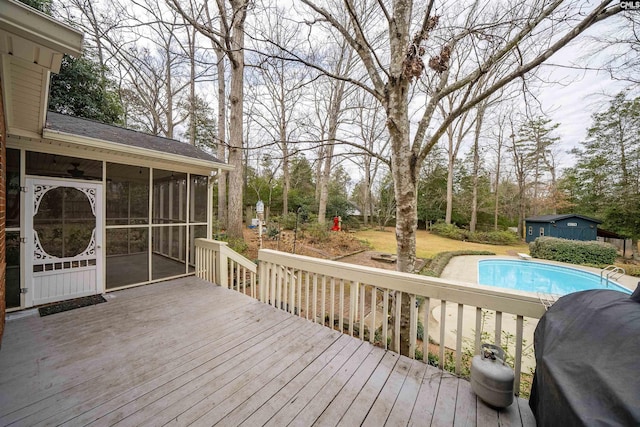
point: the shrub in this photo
(236, 244)
(440, 261)
(573, 251)
(448, 230)
(491, 237)
(287, 222)
(317, 232)
(273, 231)
(420, 331)
(351, 223)
(494, 237)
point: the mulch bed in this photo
(59, 307)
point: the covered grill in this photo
(587, 349)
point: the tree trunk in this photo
(169, 93)
(497, 189)
(286, 177)
(403, 169)
(318, 168)
(474, 199)
(325, 176)
(335, 108)
(450, 164)
(366, 204)
(192, 86)
(222, 137)
(236, 97)
(476, 168)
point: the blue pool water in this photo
(537, 277)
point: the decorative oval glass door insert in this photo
(64, 222)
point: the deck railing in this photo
(217, 263)
(357, 297)
(357, 300)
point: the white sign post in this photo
(260, 212)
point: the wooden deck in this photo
(187, 352)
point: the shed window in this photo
(530, 230)
(542, 231)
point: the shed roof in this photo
(553, 218)
(118, 135)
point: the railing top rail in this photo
(432, 287)
(217, 245)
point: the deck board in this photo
(406, 400)
(186, 352)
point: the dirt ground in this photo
(338, 244)
(342, 246)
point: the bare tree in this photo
(229, 39)
(222, 115)
(521, 154)
(369, 121)
(480, 111)
(521, 39)
(280, 87)
(498, 135)
(342, 65)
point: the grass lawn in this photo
(428, 245)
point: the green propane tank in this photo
(491, 377)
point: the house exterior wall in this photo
(571, 228)
(532, 230)
(3, 210)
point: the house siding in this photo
(3, 210)
(571, 228)
(27, 83)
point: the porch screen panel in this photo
(12, 290)
(198, 200)
(169, 251)
(127, 193)
(127, 260)
(195, 232)
(52, 165)
(13, 189)
(169, 197)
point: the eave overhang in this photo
(129, 151)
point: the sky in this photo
(572, 105)
(579, 93)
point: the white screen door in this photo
(64, 239)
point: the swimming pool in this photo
(538, 277)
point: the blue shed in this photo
(568, 226)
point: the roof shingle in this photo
(92, 129)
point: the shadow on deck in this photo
(186, 352)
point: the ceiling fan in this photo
(75, 172)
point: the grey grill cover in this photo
(587, 349)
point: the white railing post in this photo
(222, 267)
(262, 279)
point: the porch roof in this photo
(553, 218)
(98, 135)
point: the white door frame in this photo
(36, 188)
